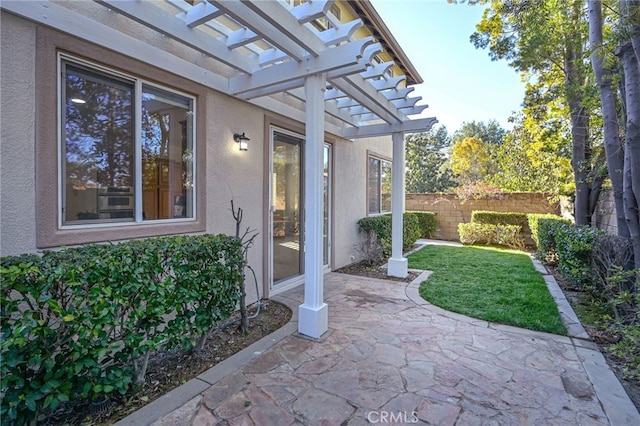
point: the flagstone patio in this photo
(391, 357)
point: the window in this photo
(127, 149)
(378, 185)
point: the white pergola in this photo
(270, 48)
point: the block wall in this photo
(450, 211)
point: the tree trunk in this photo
(612, 143)
(574, 81)
(632, 147)
(633, 8)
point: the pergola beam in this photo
(276, 24)
(410, 126)
(159, 20)
(259, 22)
(329, 60)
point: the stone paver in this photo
(392, 358)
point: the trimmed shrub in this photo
(80, 323)
(381, 226)
(533, 221)
(545, 233)
(427, 222)
(500, 218)
(574, 245)
(503, 235)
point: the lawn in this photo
(492, 284)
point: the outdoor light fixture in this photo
(242, 140)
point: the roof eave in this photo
(413, 76)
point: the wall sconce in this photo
(242, 140)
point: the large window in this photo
(127, 149)
(378, 185)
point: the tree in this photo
(489, 133)
(470, 159)
(604, 75)
(630, 27)
(533, 158)
(426, 162)
(546, 40)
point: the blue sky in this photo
(461, 83)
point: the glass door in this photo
(286, 207)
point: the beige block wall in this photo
(451, 212)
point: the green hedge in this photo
(500, 218)
(503, 235)
(381, 226)
(80, 323)
(427, 222)
(541, 235)
(574, 245)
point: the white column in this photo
(397, 265)
(313, 318)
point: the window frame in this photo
(48, 233)
(382, 159)
(138, 84)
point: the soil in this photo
(578, 298)
(374, 271)
(170, 369)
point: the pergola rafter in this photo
(295, 50)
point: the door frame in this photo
(294, 129)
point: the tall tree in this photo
(426, 162)
(630, 26)
(546, 39)
(471, 160)
(534, 157)
(489, 133)
(604, 74)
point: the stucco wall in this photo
(17, 135)
(451, 212)
(350, 196)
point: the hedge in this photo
(415, 224)
(500, 218)
(541, 234)
(574, 245)
(427, 222)
(503, 235)
(80, 323)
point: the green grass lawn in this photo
(492, 284)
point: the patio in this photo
(391, 357)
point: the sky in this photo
(461, 83)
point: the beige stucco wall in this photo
(350, 196)
(230, 174)
(17, 135)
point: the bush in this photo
(574, 245)
(427, 222)
(499, 218)
(544, 238)
(504, 235)
(80, 323)
(381, 226)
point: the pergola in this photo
(272, 53)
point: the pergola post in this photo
(313, 318)
(397, 265)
